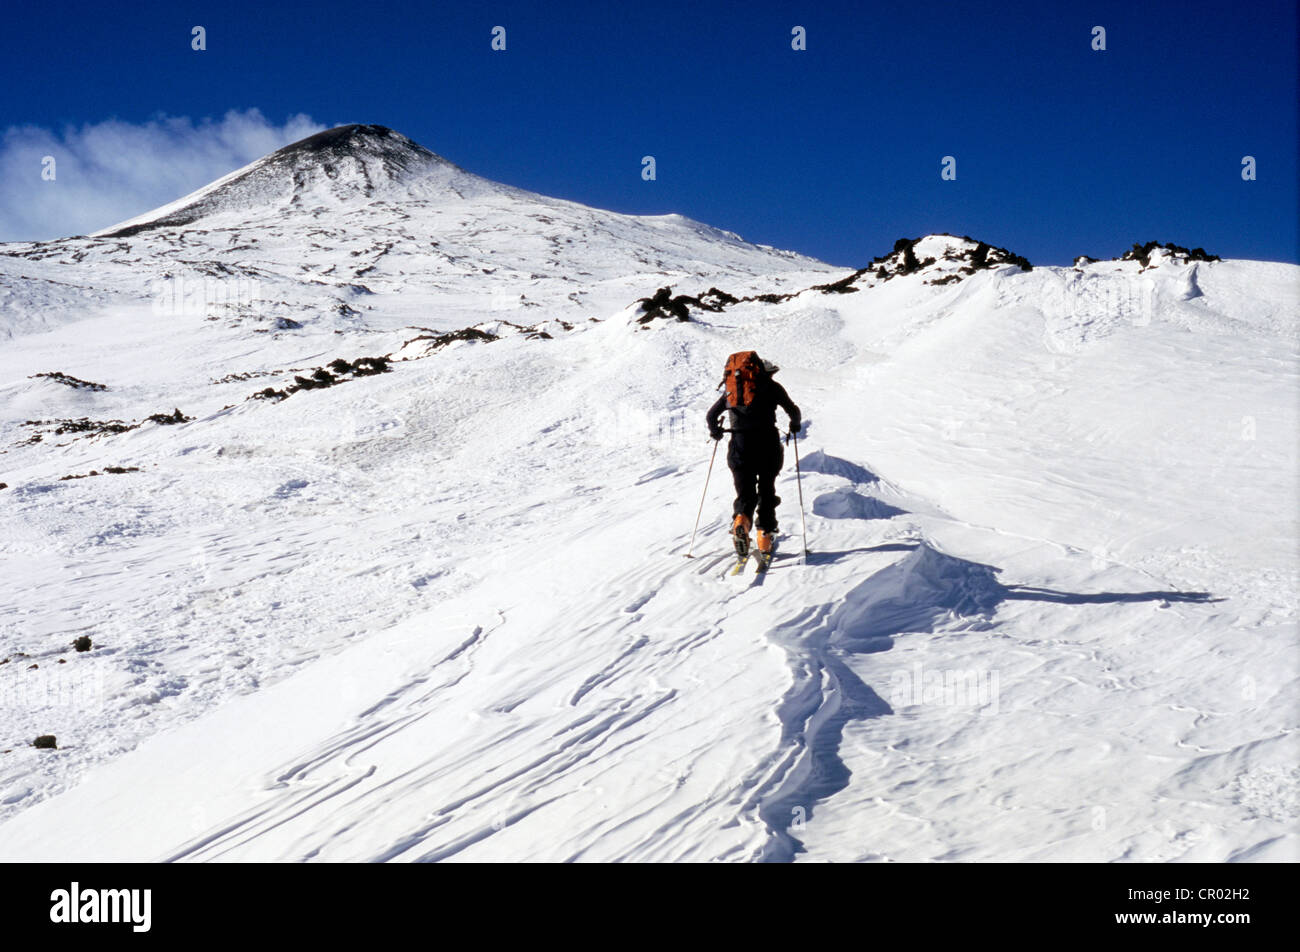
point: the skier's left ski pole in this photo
(799, 480)
(702, 498)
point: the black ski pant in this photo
(755, 458)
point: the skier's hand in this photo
(795, 427)
(715, 432)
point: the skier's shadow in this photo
(829, 557)
(1033, 593)
(1037, 594)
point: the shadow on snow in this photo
(924, 590)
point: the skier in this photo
(755, 454)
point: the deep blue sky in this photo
(834, 151)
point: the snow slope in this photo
(442, 612)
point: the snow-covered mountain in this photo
(370, 482)
(329, 171)
(312, 233)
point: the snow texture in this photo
(433, 605)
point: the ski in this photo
(764, 559)
(745, 551)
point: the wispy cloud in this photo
(109, 171)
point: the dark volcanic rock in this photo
(338, 371)
(1141, 253)
(74, 382)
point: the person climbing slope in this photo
(755, 454)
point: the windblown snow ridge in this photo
(925, 590)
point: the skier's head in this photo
(770, 367)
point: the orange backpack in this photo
(744, 370)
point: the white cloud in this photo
(110, 171)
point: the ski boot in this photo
(740, 536)
(766, 547)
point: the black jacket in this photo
(761, 412)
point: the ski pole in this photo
(702, 498)
(799, 481)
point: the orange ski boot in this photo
(740, 535)
(766, 546)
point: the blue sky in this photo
(833, 151)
